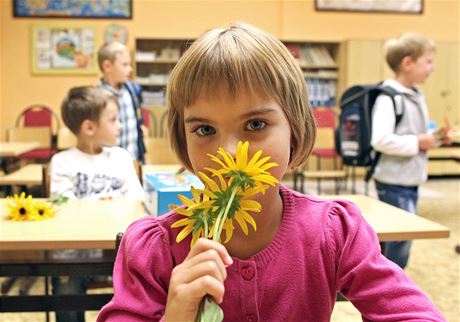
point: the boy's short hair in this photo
(240, 57)
(109, 51)
(409, 44)
(84, 103)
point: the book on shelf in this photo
(294, 49)
(321, 92)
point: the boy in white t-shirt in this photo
(95, 169)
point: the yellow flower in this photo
(240, 208)
(196, 220)
(255, 169)
(21, 208)
(44, 210)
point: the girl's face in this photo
(218, 121)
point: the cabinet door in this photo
(362, 63)
(443, 87)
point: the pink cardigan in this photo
(322, 247)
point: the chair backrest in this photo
(326, 122)
(38, 116)
(159, 151)
(157, 119)
(65, 139)
(42, 135)
(325, 117)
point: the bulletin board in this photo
(63, 50)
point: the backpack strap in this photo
(391, 92)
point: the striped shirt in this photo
(128, 138)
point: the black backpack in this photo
(353, 134)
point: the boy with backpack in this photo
(402, 166)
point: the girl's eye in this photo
(204, 130)
(256, 125)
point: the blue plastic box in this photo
(162, 189)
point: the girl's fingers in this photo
(202, 286)
(204, 244)
(187, 274)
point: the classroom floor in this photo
(434, 266)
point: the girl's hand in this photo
(202, 272)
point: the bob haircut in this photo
(84, 103)
(409, 44)
(240, 58)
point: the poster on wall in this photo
(63, 50)
(400, 6)
(113, 9)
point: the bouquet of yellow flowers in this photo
(25, 208)
(215, 208)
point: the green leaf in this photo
(212, 311)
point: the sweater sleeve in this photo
(378, 288)
(141, 275)
(384, 138)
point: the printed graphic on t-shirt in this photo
(99, 184)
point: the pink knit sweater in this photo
(322, 247)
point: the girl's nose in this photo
(230, 145)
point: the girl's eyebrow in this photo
(192, 119)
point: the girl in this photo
(234, 84)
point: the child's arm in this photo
(384, 138)
(61, 183)
(378, 288)
(202, 272)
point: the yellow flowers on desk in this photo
(25, 208)
(215, 208)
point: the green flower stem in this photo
(220, 223)
(205, 228)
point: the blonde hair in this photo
(241, 58)
(84, 103)
(109, 51)
(409, 44)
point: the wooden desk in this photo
(12, 149)
(444, 161)
(391, 223)
(444, 153)
(79, 224)
(30, 174)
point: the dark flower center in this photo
(41, 212)
(22, 211)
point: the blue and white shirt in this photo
(128, 139)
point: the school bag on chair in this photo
(354, 132)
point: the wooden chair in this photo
(324, 148)
(39, 116)
(155, 118)
(42, 135)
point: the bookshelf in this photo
(155, 59)
(318, 62)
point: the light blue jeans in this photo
(405, 198)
